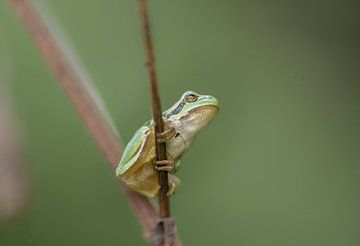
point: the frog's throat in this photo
(208, 110)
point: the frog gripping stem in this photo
(99, 127)
(166, 226)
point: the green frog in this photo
(138, 166)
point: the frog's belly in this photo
(176, 147)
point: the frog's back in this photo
(132, 153)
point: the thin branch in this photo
(99, 128)
(156, 106)
(168, 224)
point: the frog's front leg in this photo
(167, 165)
(162, 137)
(164, 165)
(171, 167)
(167, 134)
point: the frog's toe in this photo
(165, 165)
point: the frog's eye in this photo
(191, 98)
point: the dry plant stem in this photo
(82, 101)
(157, 113)
(15, 185)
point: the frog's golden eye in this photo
(191, 98)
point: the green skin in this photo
(182, 121)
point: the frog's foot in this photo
(166, 135)
(172, 189)
(174, 184)
(164, 165)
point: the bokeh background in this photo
(279, 165)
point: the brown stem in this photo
(78, 94)
(15, 183)
(156, 106)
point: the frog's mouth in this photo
(208, 100)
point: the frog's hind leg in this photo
(151, 187)
(144, 180)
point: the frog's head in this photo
(193, 110)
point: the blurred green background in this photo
(278, 166)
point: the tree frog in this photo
(138, 166)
